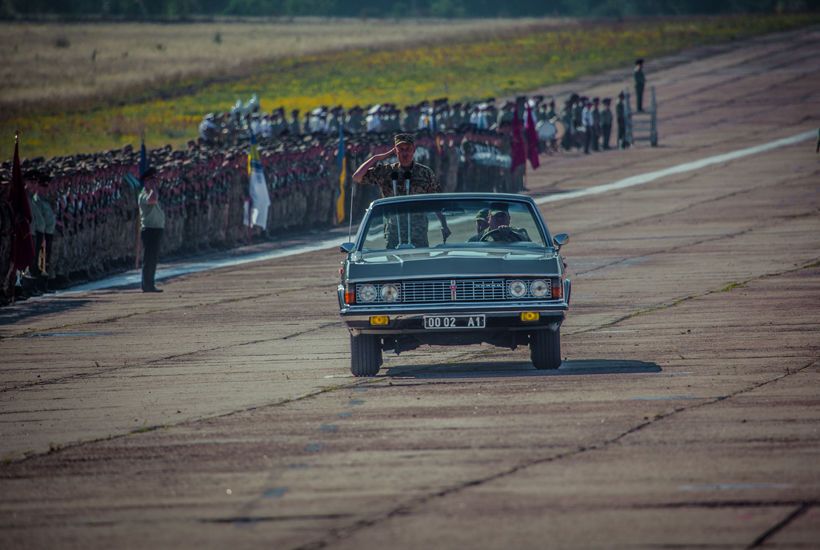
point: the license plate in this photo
(454, 321)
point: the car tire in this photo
(545, 349)
(365, 355)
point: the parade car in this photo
(453, 269)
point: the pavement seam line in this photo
(152, 428)
(725, 288)
(780, 525)
(27, 333)
(81, 375)
(406, 508)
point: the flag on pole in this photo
(22, 246)
(518, 153)
(340, 159)
(143, 156)
(532, 140)
(256, 209)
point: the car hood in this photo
(443, 264)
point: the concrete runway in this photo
(222, 414)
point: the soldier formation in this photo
(86, 220)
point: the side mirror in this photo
(347, 248)
(560, 240)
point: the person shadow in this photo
(505, 369)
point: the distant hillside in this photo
(180, 9)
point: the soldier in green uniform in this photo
(355, 120)
(293, 124)
(41, 202)
(606, 123)
(422, 180)
(152, 225)
(640, 82)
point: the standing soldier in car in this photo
(422, 180)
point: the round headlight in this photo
(539, 288)
(367, 293)
(518, 289)
(390, 293)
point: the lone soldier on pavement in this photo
(152, 224)
(640, 82)
(422, 180)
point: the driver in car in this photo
(500, 229)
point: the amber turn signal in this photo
(350, 296)
(379, 321)
(557, 289)
(530, 316)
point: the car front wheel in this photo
(545, 349)
(365, 355)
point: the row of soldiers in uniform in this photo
(86, 218)
(588, 123)
(582, 120)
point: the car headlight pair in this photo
(370, 293)
(538, 288)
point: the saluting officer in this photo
(422, 180)
(152, 225)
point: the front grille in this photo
(450, 290)
(465, 290)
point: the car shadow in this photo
(501, 369)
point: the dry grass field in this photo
(54, 66)
(92, 87)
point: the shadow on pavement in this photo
(34, 308)
(523, 368)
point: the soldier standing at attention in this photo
(293, 124)
(152, 224)
(422, 180)
(43, 201)
(596, 123)
(606, 122)
(640, 82)
(587, 120)
(620, 113)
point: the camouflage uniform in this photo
(422, 180)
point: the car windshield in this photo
(473, 223)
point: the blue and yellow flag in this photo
(340, 202)
(253, 156)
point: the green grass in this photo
(460, 70)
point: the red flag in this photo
(22, 247)
(532, 140)
(519, 154)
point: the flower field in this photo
(464, 69)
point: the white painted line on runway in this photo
(643, 179)
(133, 277)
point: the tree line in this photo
(181, 9)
